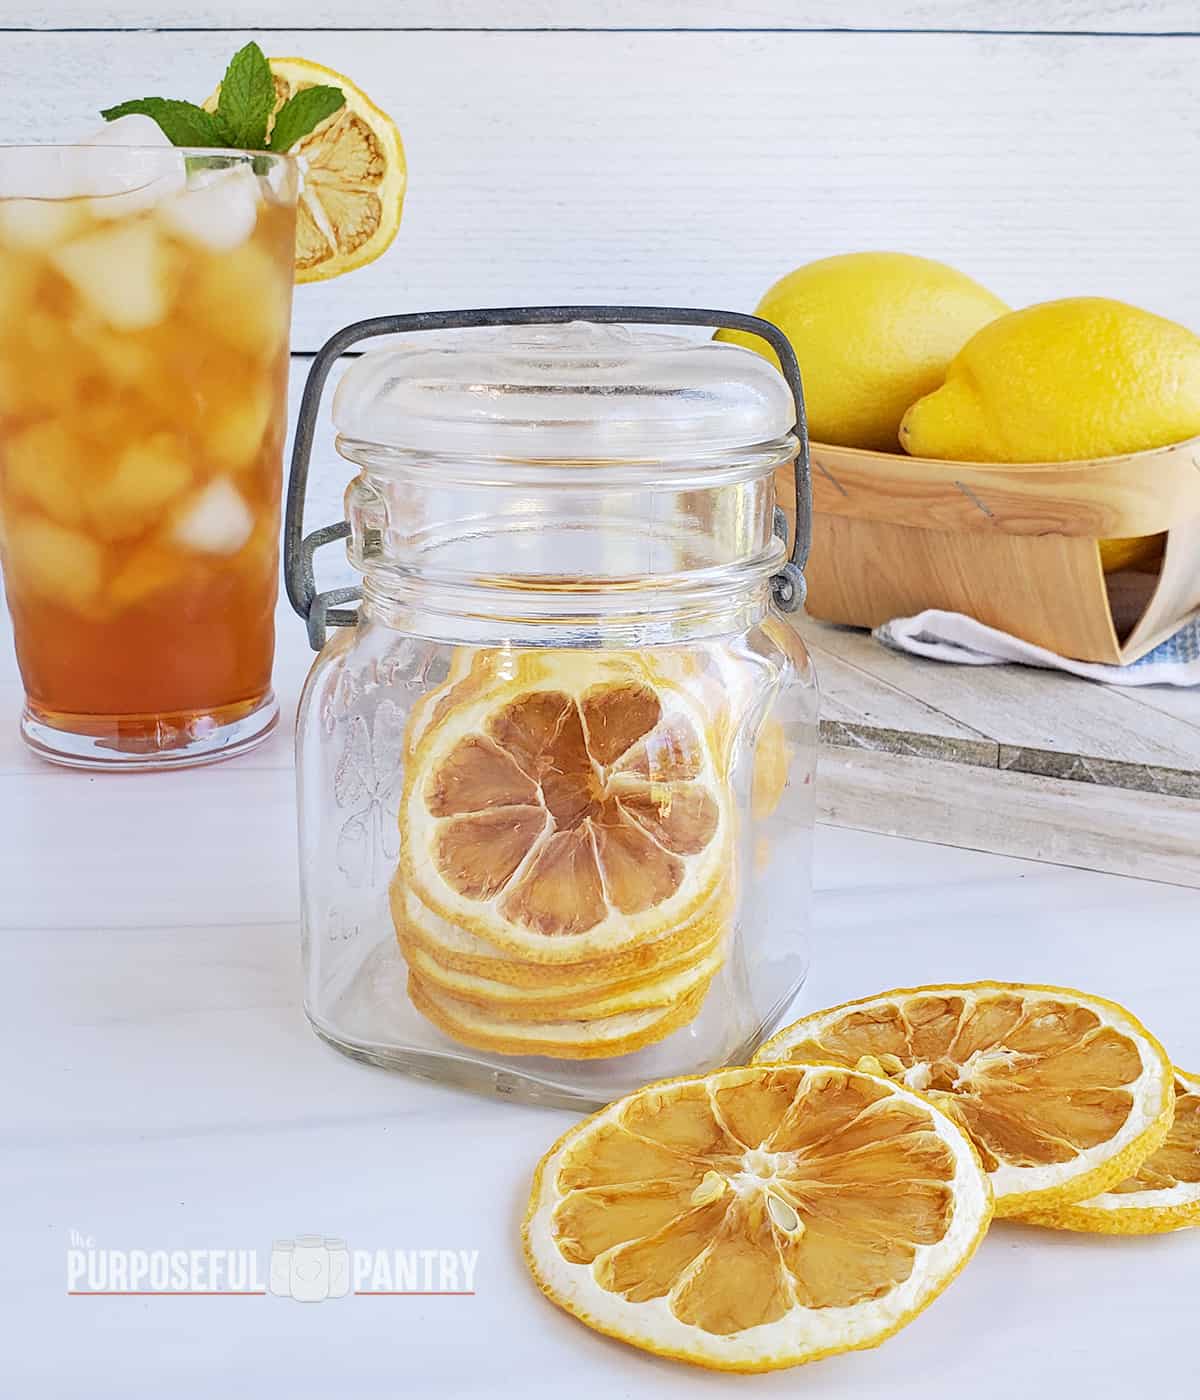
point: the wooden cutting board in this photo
(1008, 759)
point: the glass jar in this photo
(556, 780)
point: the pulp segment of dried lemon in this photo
(1162, 1195)
(573, 808)
(756, 1218)
(1064, 1094)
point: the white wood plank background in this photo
(1036, 16)
(697, 166)
(1047, 148)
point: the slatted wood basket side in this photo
(1015, 546)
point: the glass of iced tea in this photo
(145, 303)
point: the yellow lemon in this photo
(1065, 381)
(1132, 553)
(872, 332)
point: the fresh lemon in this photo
(1065, 381)
(354, 175)
(756, 1218)
(872, 332)
(1142, 550)
(1064, 1094)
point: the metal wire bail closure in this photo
(322, 610)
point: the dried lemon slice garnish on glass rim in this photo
(354, 175)
(1064, 1094)
(1162, 1195)
(756, 1218)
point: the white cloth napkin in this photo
(948, 636)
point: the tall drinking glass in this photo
(145, 303)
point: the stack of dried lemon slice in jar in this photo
(564, 886)
(816, 1201)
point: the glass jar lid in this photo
(575, 392)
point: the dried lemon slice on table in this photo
(1064, 1094)
(756, 1218)
(354, 175)
(1162, 1195)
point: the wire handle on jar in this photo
(322, 610)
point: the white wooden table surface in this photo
(163, 1091)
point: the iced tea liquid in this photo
(143, 391)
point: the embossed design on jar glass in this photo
(367, 779)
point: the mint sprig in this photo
(244, 106)
(303, 112)
(247, 97)
(183, 123)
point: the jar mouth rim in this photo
(701, 470)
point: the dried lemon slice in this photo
(756, 1218)
(1064, 1094)
(459, 951)
(553, 1003)
(1162, 1195)
(565, 1039)
(568, 810)
(354, 177)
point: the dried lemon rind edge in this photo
(1147, 1136)
(654, 994)
(520, 1039)
(564, 1284)
(462, 950)
(1110, 1214)
(564, 990)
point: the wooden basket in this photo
(1013, 546)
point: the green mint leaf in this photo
(183, 123)
(247, 97)
(302, 112)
